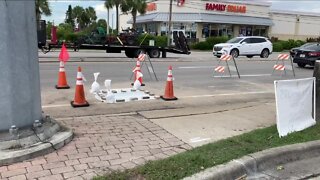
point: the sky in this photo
(59, 8)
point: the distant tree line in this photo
(85, 19)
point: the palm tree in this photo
(134, 7)
(108, 5)
(42, 7)
(117, 4)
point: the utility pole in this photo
(20, 103)
(170, 22)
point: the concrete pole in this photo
(316, 74)
(20, 99)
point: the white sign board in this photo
(295, 100)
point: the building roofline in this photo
(246, 2)
(279, 11)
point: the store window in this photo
(260, 31)
(189, 29)
(246, 31)
(214, 30)
(151, 28)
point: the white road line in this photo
(245, 75)
(183, 97)
(196, 67)
(230, 94)
(58, 105)
(234, 85)
(64, 105)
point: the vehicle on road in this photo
(307, 55)
(127, 42)
(244, 46)
(294, 50)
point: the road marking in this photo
(233, 85)
(183, 97)
(58, 105)
(196, 67)
(64, 105)
(230, 94)
(246, 75)
(198, 139)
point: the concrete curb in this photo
(256, 162)
(58, 140)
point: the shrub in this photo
(277, 47)
(209, 43)
(160, 41)
(217, 40)
(71, 37)
(202, 46)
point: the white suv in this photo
(244, 46)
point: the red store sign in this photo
(224, 7)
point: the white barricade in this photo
(282, 66)
(221, 69)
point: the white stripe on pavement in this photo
(64, 105)
(230, 94)
(196, 67)
(183, 97)
(245, 75)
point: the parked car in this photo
(294, 50)
(307, 55)
(244, 46)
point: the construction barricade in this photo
(282, 66)
(144, 59)
(221, 69)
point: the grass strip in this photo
(195, 160)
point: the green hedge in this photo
(209, 43)
(279, 46)
(160, 41)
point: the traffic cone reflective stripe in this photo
(168, 94)
(62, 79)
(137, 68)
(169, 78)
(79, 98)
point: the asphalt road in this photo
(193, 74)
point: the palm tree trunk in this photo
(108, 21)
(134, 20)
(117, 21)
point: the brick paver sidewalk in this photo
(101, 144)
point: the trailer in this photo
(122, 43)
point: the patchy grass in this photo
(195, 160)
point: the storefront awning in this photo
(204, 18)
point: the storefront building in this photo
(200, 19)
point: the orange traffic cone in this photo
(64, 55)
(62, 79)
(168, 94)
(79, 99)
(137, 72)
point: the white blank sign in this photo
(295, 100)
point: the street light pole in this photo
(170, 22)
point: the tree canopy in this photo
(134, 7)
(42, 8)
